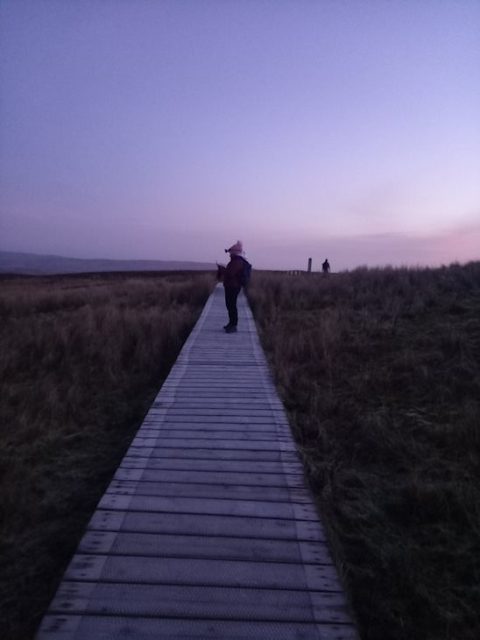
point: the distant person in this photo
(326, 266)
(235, 276)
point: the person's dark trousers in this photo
(231, 295)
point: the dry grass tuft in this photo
(380, 373)
(81, 360)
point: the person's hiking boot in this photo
(227, 326)
(230, 329)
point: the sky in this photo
(168, 129)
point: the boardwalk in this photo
(207, 529)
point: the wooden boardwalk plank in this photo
(209, 477)
(217, 506)
(202, 490)
(206, 525)
(88, 627)
(225, 467)
(200, 442)
(202, 547)
(211, 454)
(222, 469)
(212, 602)
(227, 436)
(195, 571)
(207, 529)
(218, 425)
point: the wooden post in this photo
(309, 265)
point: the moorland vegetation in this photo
(379, 370)
(380, 373)
(81, 360)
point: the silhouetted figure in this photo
(235, 276)
(326, 266)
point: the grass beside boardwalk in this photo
(380, 373)
(81, 360)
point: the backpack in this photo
(246, 273)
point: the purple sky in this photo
(166, 129)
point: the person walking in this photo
(326, 266)
(233, 279)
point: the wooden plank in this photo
(200, 442)
(204, 602)
(215, 422)
(214, 399)
(217, 506)
(231, 392)
(210, 477)
(192, 490)
(211, 454)
(228, 405)
(241, 380)
(213, 394)
(215, 434)
(88, 627)
(224, 431)
(215, 547)
(219, 466)
(207, 425)
(211, 572)
(220, 388)
(206, 525)
(247, 414)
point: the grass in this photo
(380, 373)
(81, 360)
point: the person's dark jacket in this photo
(232, 277)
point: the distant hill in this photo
(34, 264)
